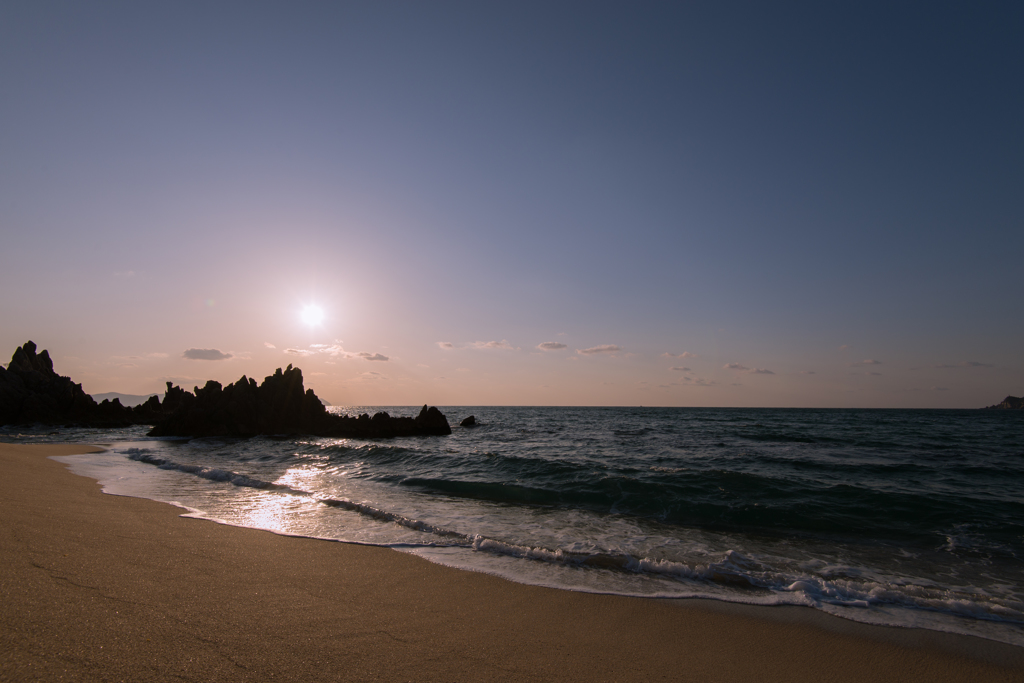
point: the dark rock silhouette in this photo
(469, 422)
(1009, 403)
(31, 392)
(278, 406)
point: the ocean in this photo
(897, 517)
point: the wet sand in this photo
(96, 587)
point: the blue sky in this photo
(792, 188)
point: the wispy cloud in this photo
(684, 354)
(681, 369)
(445, 345)
(334, 349)
(205, 354)
(143, 356)
(551, 346)
(965, 364)
(604, 348)
(743, 368)
(864, 362)
(269, 345)
(503, 344)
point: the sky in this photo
(551, 203)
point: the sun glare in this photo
(312, 315)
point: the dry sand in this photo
(104, 588)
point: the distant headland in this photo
(1009, 403)
(31, 392)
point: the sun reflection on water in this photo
(273, 511)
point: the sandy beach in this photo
(96, 587)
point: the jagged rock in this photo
(431, 421)
(31, 392)
(468, 422)
(1009, 403)
(279, 405)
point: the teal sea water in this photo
(900, 517)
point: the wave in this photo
(744, 576)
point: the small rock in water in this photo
(469, 422)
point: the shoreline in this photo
(109, 587)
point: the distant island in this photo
(31, 392)
(1009, 403)
(127, 400)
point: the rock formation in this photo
(31, 392)
(1009, 403)
(468, 422)
(278, 406)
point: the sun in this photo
(312, 315)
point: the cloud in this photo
(684, 354)
(966, 364)
(844, 347)
(864, 362)
(680, 369)
(370, 375)
(503, 344)
(335, 350)
(745, 369)
(704, 383)
(269, 345)
(124, 274)
(205, 354)
(446, 345)
(146, 355)
(604, 348)
(551, 346)
(331, 350)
